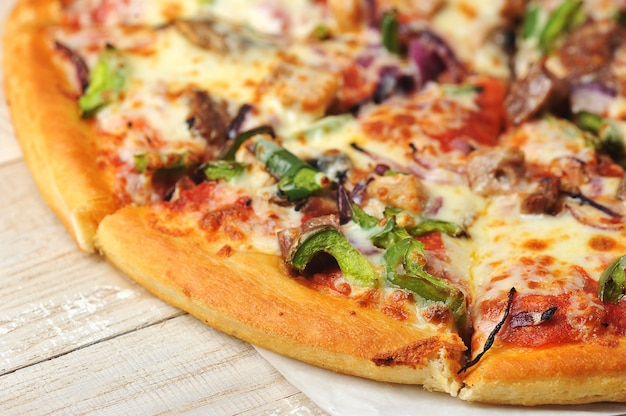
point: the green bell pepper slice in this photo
(612, 283)
(562, 18)
(389, 28)
(355, 267)
(610, 139)
(424, 226)
(296, 178)
(107, 80)
(530, 22)
(405, 263)
(223, 170)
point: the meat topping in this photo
(210, 119)
(545, 200)
(528, 96)
(497, 170)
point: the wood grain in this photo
(79, 337)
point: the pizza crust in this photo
(58, 146)
(33, 12)
(556, 374)
(248, 295)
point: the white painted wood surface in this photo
(79, 337)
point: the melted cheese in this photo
(470, 27)
(533, 253)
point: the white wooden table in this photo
(79, 337)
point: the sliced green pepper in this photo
(106, 81)
(389, 28)
(589, 121)
(530, 22)
(388, 234)
(362, 218)
(228, 153)
(611, 286)
(159, 161)
(296, 178)
(610, 138)
(562, 18)
(354, 266)
(222, 169)
(424, 226)
(321, 32)
(405, 263)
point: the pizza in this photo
(426, 193)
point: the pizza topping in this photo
(494, 332)
(297, 92)
(82, 71)
(609, 137)
(560, 20)
(612, 283)
(210, 119)
(588, 51)
(592, 97)
(222, 169)
(496, 170)
(321, 128)
(321, 235)
(219, 37)
(389, 28)
(106, 82)
(535, 92)
(592, 213)
(404, 257)
(405, 261)
(296, 178)
(228, 152)
(398, 190)
(432, 56)
(528, 318)
(546, 199)
(334, 164)
(234, 128)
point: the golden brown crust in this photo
(249, 296)
(58, 146)
(557, 374)
(33, 12)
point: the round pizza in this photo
(427, 192)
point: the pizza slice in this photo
(544, 329)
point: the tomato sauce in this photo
(616, 317)
(553, 331)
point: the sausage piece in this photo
(496, 170)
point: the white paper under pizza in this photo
(343, 395)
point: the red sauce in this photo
(194, 199)
(355, 87)
(616, 317)
(487, 124)
(432, 242)
(483, 126)
(524, 326)
(554, 331)
(442, 118)
(227, 218)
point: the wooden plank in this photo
(55, 298)
(150, 371)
